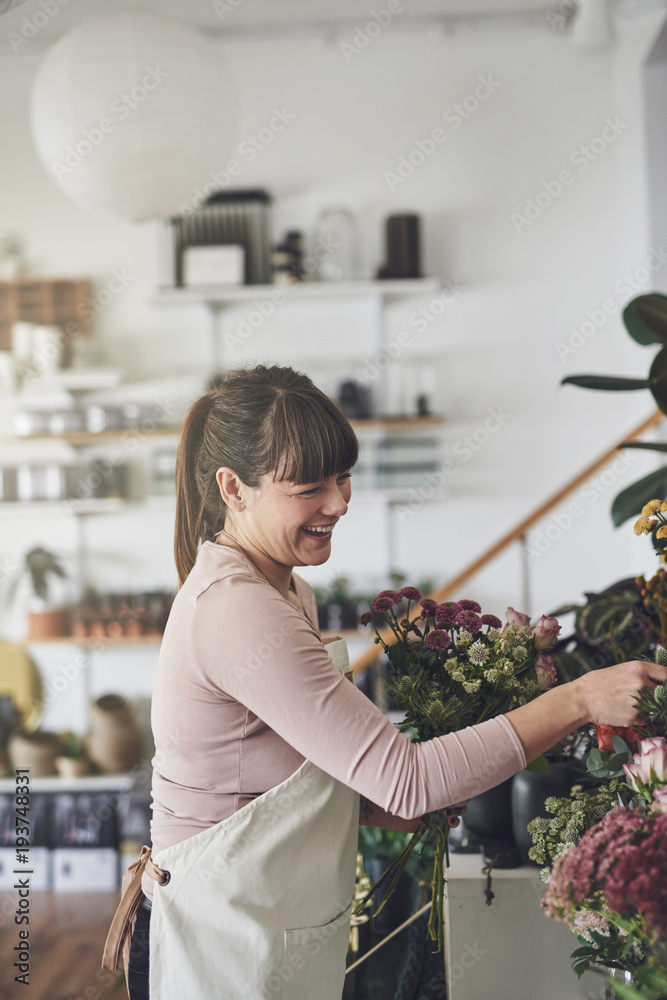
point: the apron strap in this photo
(122, 925)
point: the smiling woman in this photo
(267, 758)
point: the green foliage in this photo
(611, 626)
(606, 383)
(571, 817)
(645, 319)
(630, 501)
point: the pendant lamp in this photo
(133, 114)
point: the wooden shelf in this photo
(98, 642)
(79, 438)
(214, 295)
(86, 783)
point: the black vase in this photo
(530, 789)
(489, 815)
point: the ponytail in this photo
(190, 504)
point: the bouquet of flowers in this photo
(606, 845)
(608, 885)
(451, 667)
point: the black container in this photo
(530, 789)
(489, 815)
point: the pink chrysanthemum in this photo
(469, 621)
(437, 640)
(365, 618)
(491, 621)
(447, 613)
(392, 595)
(381, 603)
(411, 593)
(470, 606)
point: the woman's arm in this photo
(255, 647)
(600, 696)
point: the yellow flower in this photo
(644, 525)
(651, 507)
(661, 532)
(663, 506)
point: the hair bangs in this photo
(312, 440)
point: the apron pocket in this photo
(314, 959)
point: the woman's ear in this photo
(231, 488)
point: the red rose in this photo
(605, 735)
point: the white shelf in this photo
(87, 783)
(74, 380)
(100, 505)
(219, 295)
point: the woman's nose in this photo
(335, 503)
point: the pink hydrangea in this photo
(623, 858)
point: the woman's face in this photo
(293, 524)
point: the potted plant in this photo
(47, 617)
(72, 760)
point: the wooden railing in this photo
(518, 534)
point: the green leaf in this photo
(657, 379)
(645, 319)
(645, 445)
(619, 744)
(540, 765)
(629, 502)
(606, 383)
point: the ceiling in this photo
(231, 16)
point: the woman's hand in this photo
(603, 697)
(610, 693)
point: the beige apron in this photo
(258, 906)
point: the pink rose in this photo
(513, 617)
(660, 799)
(654, 756)
(546, 632)
(636, 774)
(545, 669)
(649, 765)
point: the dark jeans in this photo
(139, 956)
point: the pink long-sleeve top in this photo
(245, 692)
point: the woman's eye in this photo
(346, 475)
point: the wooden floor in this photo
(67, 935)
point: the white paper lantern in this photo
(133, 114)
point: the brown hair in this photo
(258, 421)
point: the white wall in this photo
(496, 346)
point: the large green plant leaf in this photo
(607, 383)
(630, 501)
(657, 379)
(645, 445)
(645, 319)
(608, 614)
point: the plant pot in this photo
(114, 742)
(50, 623)
(530, 789)
(489, 815)
(72, 767)
(35, 751)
